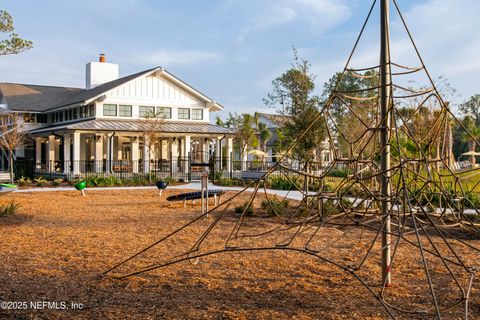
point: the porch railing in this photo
(182, 169)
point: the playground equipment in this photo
(215, 193)
(399, 212)
(7, 187)
(81, 186)
(161, 185)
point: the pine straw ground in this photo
(57, 246)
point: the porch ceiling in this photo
(135, 126)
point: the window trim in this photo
(189, 115)
(110, 105)
(120, 112)
(201, 114)
(158, 114)
(152, 108)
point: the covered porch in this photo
(77, 152)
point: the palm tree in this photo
(265, 135)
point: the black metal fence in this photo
(181, 169)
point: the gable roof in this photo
(277, 119)
(38, 98)
(34, 98)
(86, 95)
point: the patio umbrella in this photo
(471, 153)
(258, 153)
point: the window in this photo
(183, 113)
(164, 112)
(75, 113)
(124, 111)
(144, 111)
(197, 114)
(91, 111)
(41, 118)
(110, 110)
(70, 114)
(60, 116)
(28, 117)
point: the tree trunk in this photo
(11, 166)
(472, 149)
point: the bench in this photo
(4, 176)
(252, 175)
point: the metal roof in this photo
(136, 126)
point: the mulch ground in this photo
(59, 243)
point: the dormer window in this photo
(124, 111)
(197, 114)
(183, 113)
(110, 110)
(146, 111)
(164, 112)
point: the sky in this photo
(231, 50)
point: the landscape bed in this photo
(59, 243)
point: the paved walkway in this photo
(294, 195)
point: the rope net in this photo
(337, 219)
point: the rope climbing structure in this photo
(401, 216)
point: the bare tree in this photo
(151, 126)
(11, 137)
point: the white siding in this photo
(156, 91)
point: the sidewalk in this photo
(293, 195)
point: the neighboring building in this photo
(275, 122)
(101, 128)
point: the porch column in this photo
(218, 153)
(109, 152)
(186, 153)
(98, 153)
(174, 154)
(38, 152)
(229, 154)
(135, 153)
(76, 153)
(146, 154)
(244, 158)
(66, 153)
(51, 153)
(205, 149)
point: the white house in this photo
(101, 127)
(276, 121)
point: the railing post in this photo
(189, 168)
(230, 166)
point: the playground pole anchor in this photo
(385, 100)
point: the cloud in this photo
(321, 14)
(277, 15)
(179, 57)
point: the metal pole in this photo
(385, 95)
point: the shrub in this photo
(57, 182)
(282, 183)
(23, 181)
(112, 181)
(341, 173)
(227, 182)
(41, 181)
(240, 209)
(274, 206)
(9, 209)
